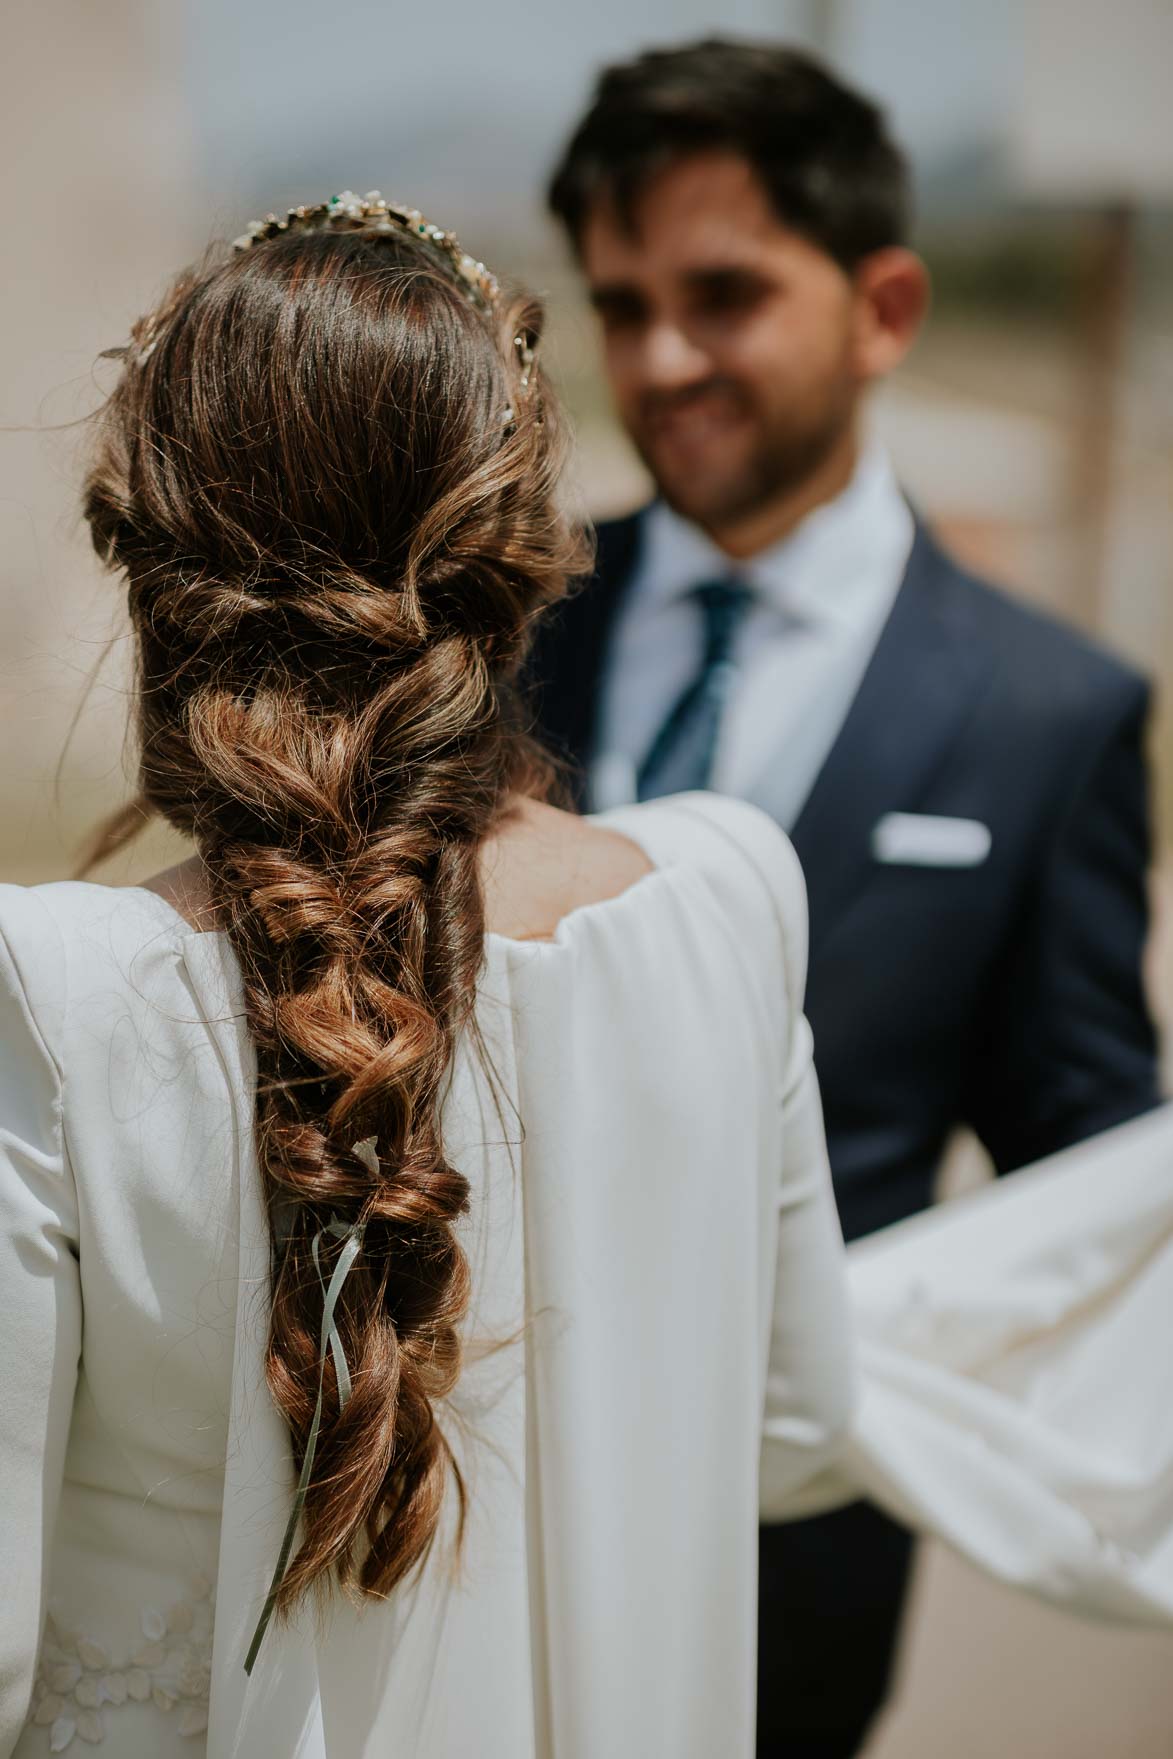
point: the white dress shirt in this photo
(821, 598)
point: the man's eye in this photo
(620, 314)
(726, 294)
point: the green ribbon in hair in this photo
(351, 1236)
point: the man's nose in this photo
(672, 361)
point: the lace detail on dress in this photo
(171, 1669)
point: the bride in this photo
(418, 1254)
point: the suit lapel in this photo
(570, 653)
(915, 697)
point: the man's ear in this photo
(891, 299)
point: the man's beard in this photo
(785, 458)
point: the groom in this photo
(963, 778)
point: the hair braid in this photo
(335, 550)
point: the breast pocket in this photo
(920, 839)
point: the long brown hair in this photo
(333, 499)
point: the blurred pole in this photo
(1107, 299)
(823, 26)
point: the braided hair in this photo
(329, 480)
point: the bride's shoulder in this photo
(81, 909)
(69, 939)
(746, 855)
(721, 835)
(541, 865)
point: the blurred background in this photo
(1033, 424)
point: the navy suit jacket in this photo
(1008, 995)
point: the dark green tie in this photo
(681, 755)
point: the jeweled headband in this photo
(372, 214)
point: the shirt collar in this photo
(832, 568)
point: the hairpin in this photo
(373, 214)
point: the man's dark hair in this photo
(823, 152)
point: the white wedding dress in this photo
(666, 1338)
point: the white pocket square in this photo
(917, 839)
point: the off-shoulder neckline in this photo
(564, 928)
(664, 830)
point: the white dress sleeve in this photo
(40, 1296)
(810, 1393)
(1016, 1385)
(1018, 1376)
(995, 1372)
(810, 1381)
